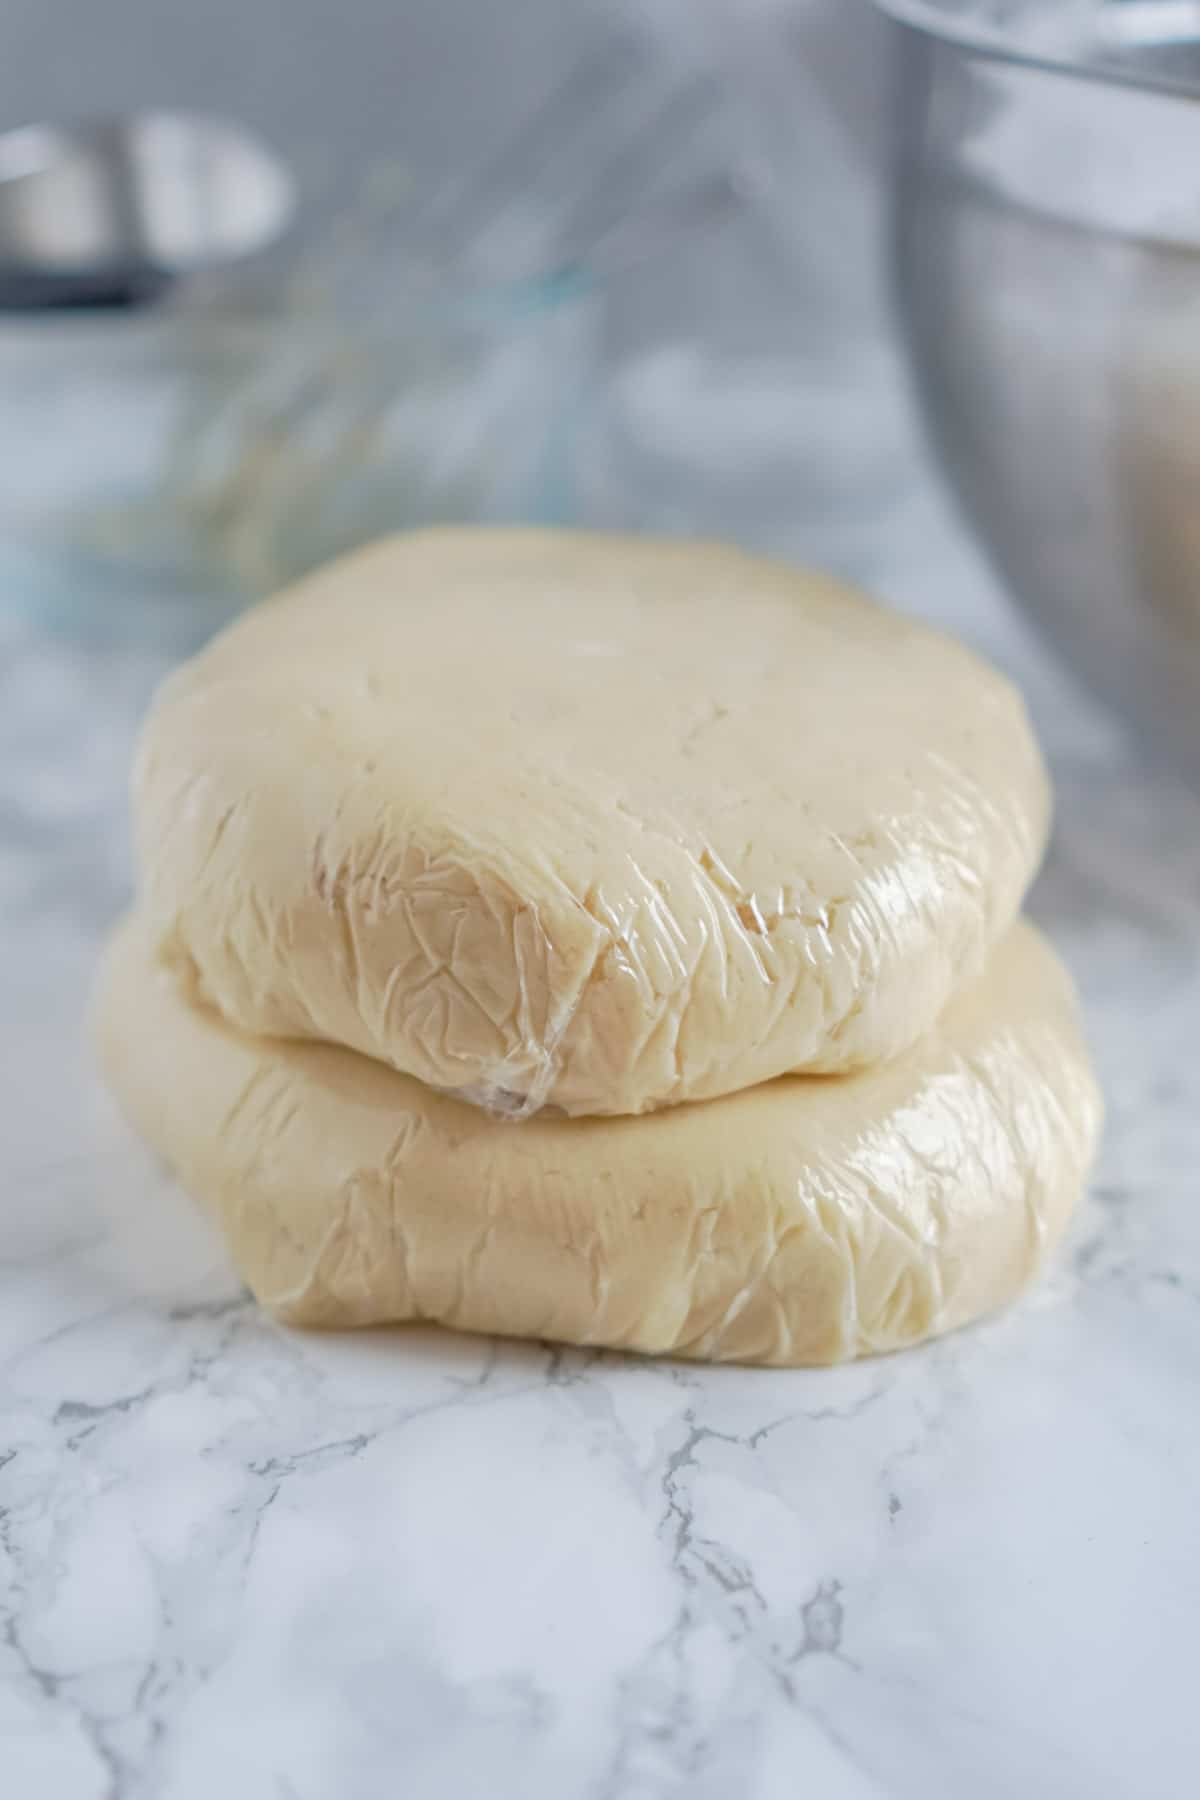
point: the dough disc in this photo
(801, 1222)
(604, 822)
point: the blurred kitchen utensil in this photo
(1047, 256)
(612, 163)
(425, 351)
(439, 349)
(112, 212)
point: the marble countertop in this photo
(235, 1560)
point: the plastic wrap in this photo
(802, 1222)
(602, 823)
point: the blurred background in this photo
(601, 262)
(794, 272)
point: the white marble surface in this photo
(242, 1562)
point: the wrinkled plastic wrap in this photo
(601, 823)
(801, 1222)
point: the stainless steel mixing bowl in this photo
(1046, 236)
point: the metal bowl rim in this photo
(926, 19)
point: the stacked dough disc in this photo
(600, 939)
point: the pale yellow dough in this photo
(802, 1222)
(604, 822)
